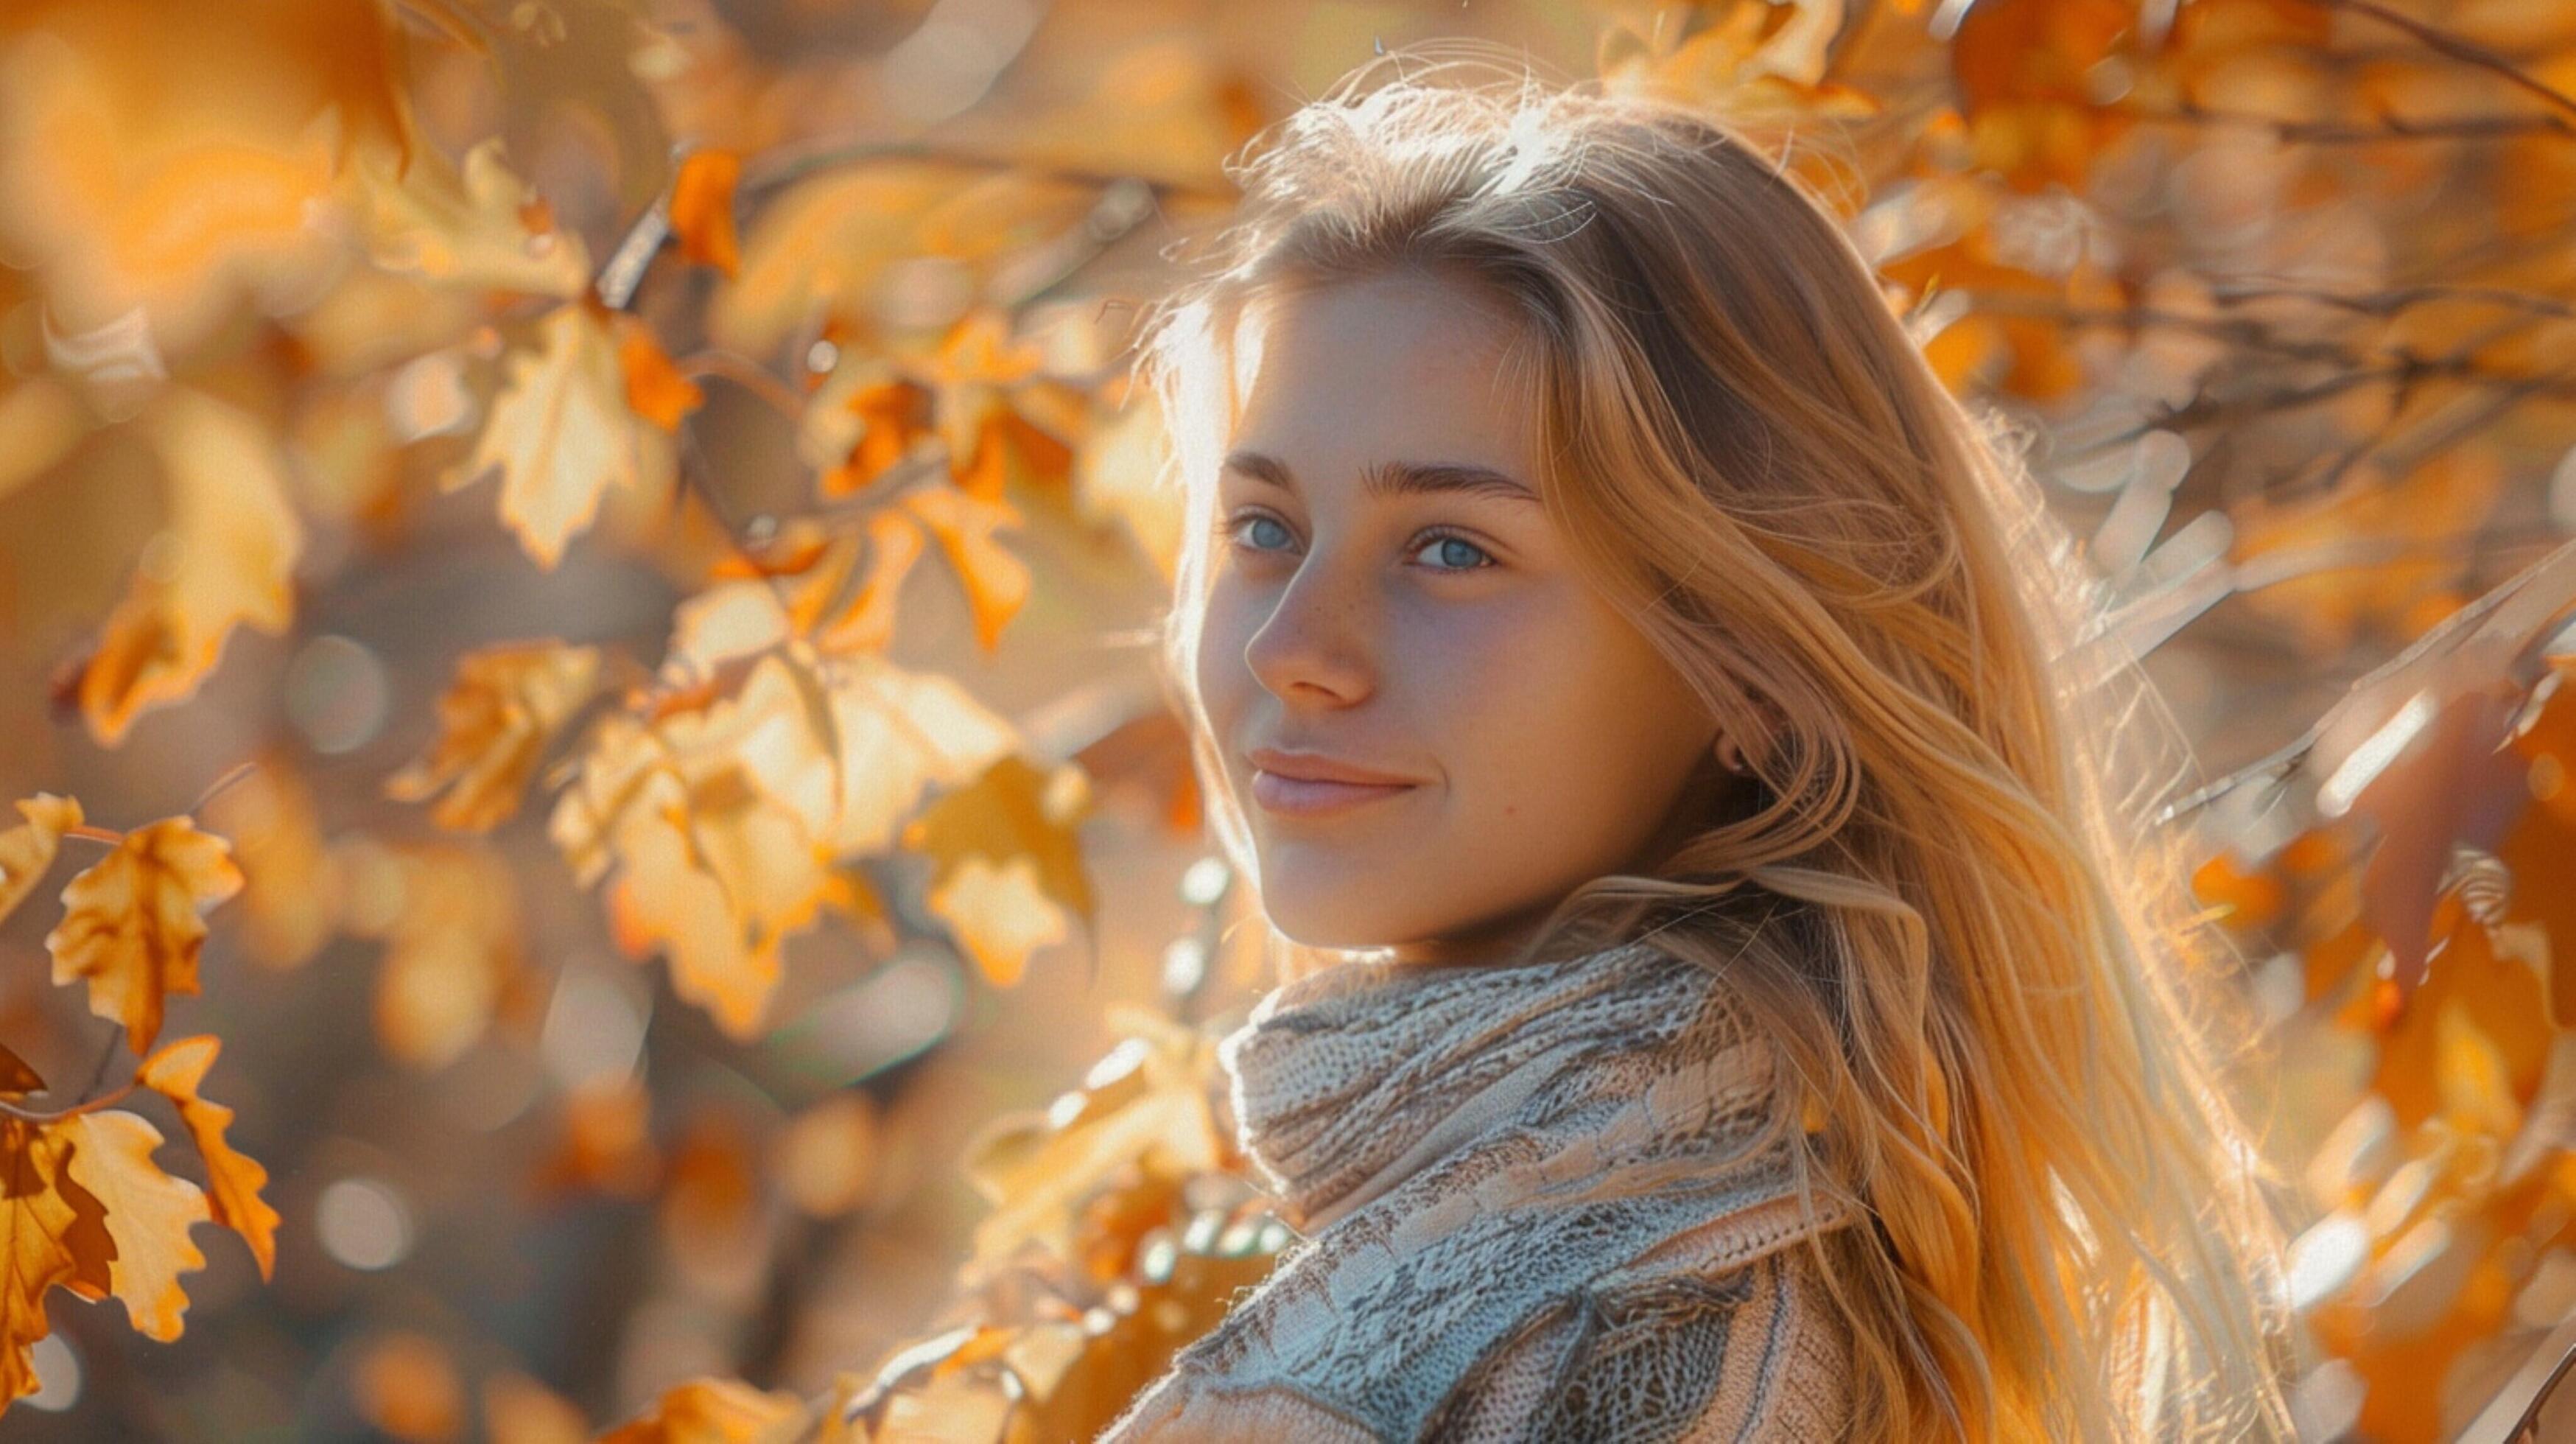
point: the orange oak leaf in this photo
(702, 209)
(655, 389)
(233, 1179)
(495, 722)
(133, 922)
(560, 431)
(149, 1214)
(229, 561)
(54, 1231)
(28, 849)
(710, 1411)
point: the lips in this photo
(1311, 784)
(1306, 797)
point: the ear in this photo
(1752, 749)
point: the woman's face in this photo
(1388, 593)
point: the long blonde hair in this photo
(1931, 888)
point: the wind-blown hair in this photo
(2010, 1037)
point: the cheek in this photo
(1217, 664)
(1574, 723)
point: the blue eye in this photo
(1462, 554)
(1452, 539)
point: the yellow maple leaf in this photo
(149, 1214)
(714, 820)
(560, 431)
(901, 733)
(1009, 863)
(1000, 912)
(495, 721)
(229, 561)
(28, 849)
(133, 922)
(233, 1179)
(713, 1411)
(53, 1231)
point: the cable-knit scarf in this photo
(1464, 1150)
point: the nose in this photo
(1318, 643)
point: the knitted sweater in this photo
(1528, 1209)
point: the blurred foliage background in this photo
(627, 520)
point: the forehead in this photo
(1402, 366)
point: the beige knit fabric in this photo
(1527, 1211)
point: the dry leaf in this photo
(560, 430)
(519, 1410)
(452, 951)
(27, 850)
(470, 230)
(702, 208)
(230, 561)
(996, 580)
(495, 722)
(233, 1179)
(55, 1232)
(655, 389)
(407, 1386)
(133, 922)
(712, 1411)
(1009, 863)
(149, 1214)
(291, 899)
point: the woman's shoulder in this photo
(1756, 1351)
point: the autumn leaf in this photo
(1009, 863)
(560, 431)
(715, 821)
(233, 542)
(470, 229)
(655, 389)
(452, 952)
(149, 1214)
(495, 722)
(894, 418)
(133, 922)
(902, 732)
(292, 893)
(27, 850)
(55, 1232)
(702, 208)
(234, 1179)
(996, 581)
(17, 1080)
(407, 1386)
(712, 1411)
(1146, 1103)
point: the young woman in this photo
(1718, 1003)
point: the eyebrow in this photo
(1395, 478)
